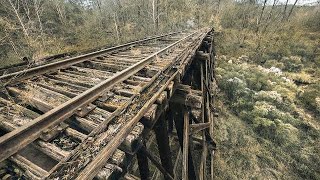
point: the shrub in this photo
(285, 134)
(274, 63)
(260, 122)
(301, 78)
(233, 87)
(287, 91)
(261, 96)
(257, 80)
(292, 64)
(310, 97)
(269, 96)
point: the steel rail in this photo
(13, 141)
(27, 73)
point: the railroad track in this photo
(67, 119)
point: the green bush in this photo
(310, 97)
(261, 97)
(292, 64)
(269, 96)
(233, 88)
(274, 63)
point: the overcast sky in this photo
(300, 2)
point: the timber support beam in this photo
(183, 113)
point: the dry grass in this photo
(136, 52)
(242, 154)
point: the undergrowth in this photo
(265, 130)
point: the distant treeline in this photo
(39, 28)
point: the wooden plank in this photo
(150, 116)
(162, 98)
(75, 134)
(51, 150)
(129, 145)
(195, 128)
(26, 165)
(112, 168)
(85, 124)
(130, 177)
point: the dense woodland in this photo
(38, 28)
(267, 70)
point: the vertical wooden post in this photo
(170, 121)
(185, 151)
(203, 156)
(179, 123)
(212, 165)
(162, 138)
(143, 164)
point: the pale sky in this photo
(300, 2)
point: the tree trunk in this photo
(157, 11)
(295, 2)
(262, 11)
(269, 16)
(60, 13)
(284, 11)
(154, 14)
(115, 18)
(25, 32)
(36, 9)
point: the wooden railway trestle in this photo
(193, 91)
(174, 103)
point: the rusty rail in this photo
(27, 73)
(15, 140)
